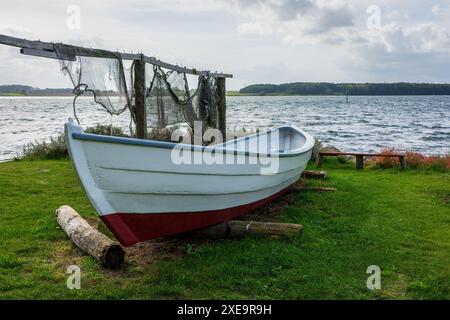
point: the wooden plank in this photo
(46, 54)
(335, 154)
(180, 69)
(90, 52)
(23, 43)
(309, 174)
(304, 188)
(139, 91)
(238, 229)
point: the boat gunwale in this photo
(306, 147)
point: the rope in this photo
(74, 109)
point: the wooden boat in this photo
(142, 191)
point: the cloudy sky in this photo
(259, 41)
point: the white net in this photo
(169, 98)
(105, 77)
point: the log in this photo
(238, 229)
(319, 189)
(309, 174)
(108, 252)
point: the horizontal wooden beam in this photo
(47, 54)
(362, 154)
(46, 50)
(184, 69)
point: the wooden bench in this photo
(360, 157)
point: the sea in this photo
(364, 123)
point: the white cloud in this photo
(337, 22)
(291, 19)
(441, 10)
(422, 38)
(324, 40)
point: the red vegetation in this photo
(414, 160)
(387, 162)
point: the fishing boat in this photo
(142, 191)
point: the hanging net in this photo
(172, 97)
(105, 77)
(169, 100)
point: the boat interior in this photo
(278, 140)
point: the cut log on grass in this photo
(237, 229)
(108, 252)
(309, 174)
(319, 189)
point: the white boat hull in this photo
(141, 192)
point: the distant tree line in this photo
(326, 88)
(30, 91)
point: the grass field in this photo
(399, 221)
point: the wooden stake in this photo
(359, 162)
(139, 89)
(109, 253)
(222, 106)
(402, 162)
(237, 229)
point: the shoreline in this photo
(332, 95)
(9, 96)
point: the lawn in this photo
(398, 220)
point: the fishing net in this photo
(169, 100)
(207, 106)
(172, 97)
(105, 77)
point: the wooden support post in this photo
(139, 90)
(402, 162)
(222, 107)
(310, 174)
(359, 162)
(319, 160)
(109, 253)
(237, 229)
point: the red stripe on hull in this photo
(132, 228)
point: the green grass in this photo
(11, 94)
(399, 221)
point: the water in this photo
(420, 123)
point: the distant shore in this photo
(286, 89)
(343, 89)
(232, 94)
(238, 94)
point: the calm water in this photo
(420, 123)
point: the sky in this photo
(258, 41)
